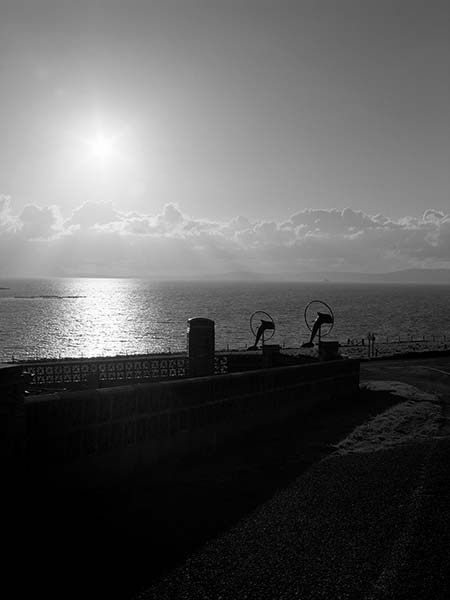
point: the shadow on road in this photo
(112, 543)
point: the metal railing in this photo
(374, 346)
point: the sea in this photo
(84, 317)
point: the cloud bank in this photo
(98, 239)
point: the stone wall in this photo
(114, 430)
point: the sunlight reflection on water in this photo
(95, 317)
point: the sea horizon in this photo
(442, 277)
(86, 317)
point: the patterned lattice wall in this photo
(113, 371)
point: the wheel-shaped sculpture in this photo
(262, 325)
(313, 310)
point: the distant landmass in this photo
(407, 276)
(425, 276)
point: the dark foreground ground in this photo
(280, 522)
(372, 526)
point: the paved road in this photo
(372, 526)
(366, 527)
(431, 375)
(428, 374)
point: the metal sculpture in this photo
(267, 325)
(322, 323)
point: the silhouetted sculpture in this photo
(322, 319)
(265, 325)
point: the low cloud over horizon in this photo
(98, 239)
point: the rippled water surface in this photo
(94, 317)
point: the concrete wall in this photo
(12, 422)
(111, 431)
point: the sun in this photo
(98, 146)
(102, 147)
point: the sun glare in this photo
(99, 147)
(102, 147)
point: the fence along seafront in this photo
(79, 373)
(187, 407)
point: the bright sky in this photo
(259, 108)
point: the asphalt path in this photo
(367, 527)
(431, 375)
(372, 526)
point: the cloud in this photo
(432, 215)
(332, 221)
(8, 222)
(92, 214)
(38, 222)
(171, 216)
(99, 239)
